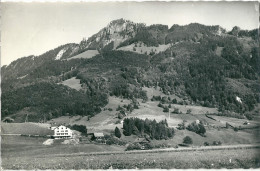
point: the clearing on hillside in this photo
(141, 48)
(150, 110)
(106, 119)
(85, 55)
(151, 91)
(72, 83)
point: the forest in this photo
(152, 128)
(52, 99)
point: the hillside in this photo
(198, 65)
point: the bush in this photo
(217, 142)
(206, 144)
(176, 111)
(148, 146)
(156, 98)
(120, 116)
(118, 122)
(174, 101)
(160, 105)
(181, 126)
(249, 116)
(184, 145)
(188, 111)
(187, 140)
(165, 109)
(119, 108)
(109, 109)
(112, 140)
(135, 146)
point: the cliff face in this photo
(117, 31)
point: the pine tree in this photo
(117, 132)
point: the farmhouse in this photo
(62, 132)
(98, 136)
(142, 141)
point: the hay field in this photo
(85, 55)
(30, 147)
(150, 110)
(142, 48)
(27, 128)
(235, 122)
(72, 83)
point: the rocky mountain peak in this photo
(116, 31)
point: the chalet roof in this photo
(55, 127)
(98, 134)
(139, 140)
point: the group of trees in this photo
(121, 88)
(236, 31)
(127, 108)
(55, 68)
(80, 128)
(197, 128)
(148, 127)
(194, 127)
(143, 35)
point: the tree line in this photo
(152, 128)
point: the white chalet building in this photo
(62, 132)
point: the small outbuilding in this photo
(142, 141)
(98, 136)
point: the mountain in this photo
(116, 32)
(202, 65)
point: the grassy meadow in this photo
(242, 158)
(19, 146)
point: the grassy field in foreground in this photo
(28, 128)
(19, 146)
(239, 158)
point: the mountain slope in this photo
(203, 65)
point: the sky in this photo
(34, 28)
